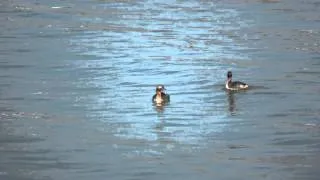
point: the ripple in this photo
(160, 53)
(77, 80)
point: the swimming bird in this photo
(234, 85)
(160, 97)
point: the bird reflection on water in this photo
(159, 107)
(231, 102)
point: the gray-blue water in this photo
(77, 77)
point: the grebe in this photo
(234, 85)
(160, 97)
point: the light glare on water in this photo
(161, 47)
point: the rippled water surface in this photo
(77, 77)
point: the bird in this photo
(235, 85)
(160, 97)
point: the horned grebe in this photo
(234, 85)
(160, 97)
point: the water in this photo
(77, 80)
